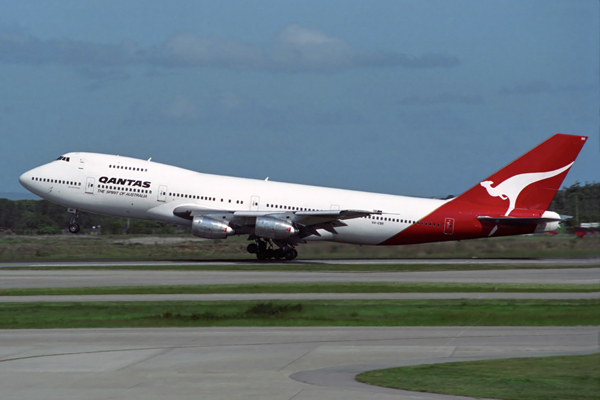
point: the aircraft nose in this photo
(24, 178)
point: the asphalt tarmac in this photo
(252, 363)
(551, 262)
(261, 363)
(94, 278)
(294, 296)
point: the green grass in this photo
(547, 378)
(304, 313)
(344, 287)
(178, 247)
(298, 267)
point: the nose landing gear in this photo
(73, 226)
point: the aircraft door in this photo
(89, 185)
(449, 226)
(162, 193)
(254, 203)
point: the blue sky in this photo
(422, 98)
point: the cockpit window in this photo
(63, 158)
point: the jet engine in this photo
(273, 228)
(210, 228)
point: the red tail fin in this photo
(531, 181)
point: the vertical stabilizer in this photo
(531, 181)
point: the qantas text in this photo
(124, 182)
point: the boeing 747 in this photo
(278, 216)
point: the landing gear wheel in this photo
(290, 254)
(278, 254)
(262, 245)
(74, 228)
(262, 248)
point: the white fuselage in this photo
(133, 188)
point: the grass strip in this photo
(349, 287)
(308, 267)
(306, 313)
(186, 247)
(540, 378)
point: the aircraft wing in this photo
(307, 221)
(188, 211)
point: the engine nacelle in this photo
(210, 228)
(274, 228)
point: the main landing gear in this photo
(264, 250)
(73, 226)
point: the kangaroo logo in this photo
(511, 188)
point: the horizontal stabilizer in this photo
(514, 221)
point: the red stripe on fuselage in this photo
(465, 225)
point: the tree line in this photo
(581, 202)
(44, 217)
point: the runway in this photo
(295, 296)
(551, 262)
(263, 363)
(251, 363)
(97, 278)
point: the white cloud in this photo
(297, 35)
(187, 49)
(180, 108)
(230, 109)
(294, 49)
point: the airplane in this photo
(277, 216)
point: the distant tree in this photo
(30, 216)
(580, 202)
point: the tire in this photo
(74, 228)
(291, 254)
(252, 248)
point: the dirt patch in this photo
(150, 240)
